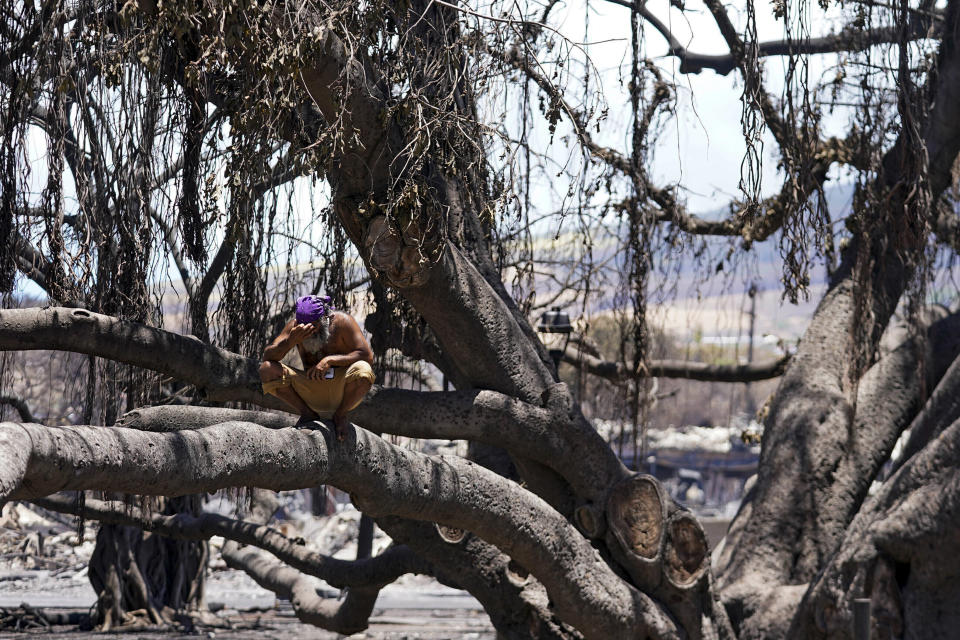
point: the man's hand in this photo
(317, 371)
(301, 332)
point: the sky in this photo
(701, 148)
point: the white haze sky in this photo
(701, 148)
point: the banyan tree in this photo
(174, 173)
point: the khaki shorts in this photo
(323, 395)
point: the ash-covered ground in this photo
(43, 579)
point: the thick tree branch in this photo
(371, 572)
(383, 479)
(848, 39)
(222, 375)
(172, 418)
(542, 434)
(939, 412)
(517, 604)
(348, 616)
(617, 372)
(551, 436)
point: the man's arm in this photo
(282, 343)
(353, 345)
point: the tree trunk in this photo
(803, 500)
(889, 396)
(365, 537)
(899, 553)
(143, 579)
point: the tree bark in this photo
(900, 553)
(384, 480)
(220, 374)
(889, 396)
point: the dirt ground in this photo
(43, 565)
(280, 624)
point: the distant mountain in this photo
(768, 253)
(700, 301)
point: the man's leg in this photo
(353, 392)
(270, 371)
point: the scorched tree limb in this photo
(383, 480)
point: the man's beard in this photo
(315, 342)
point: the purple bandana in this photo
(312, 308)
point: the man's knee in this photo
(359, 376)
(270, 370)
(357, 387)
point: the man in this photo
(336, 363)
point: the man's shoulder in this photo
(342, 317)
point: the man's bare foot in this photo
(306, 419)
(340, 424)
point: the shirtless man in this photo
(336, 360)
